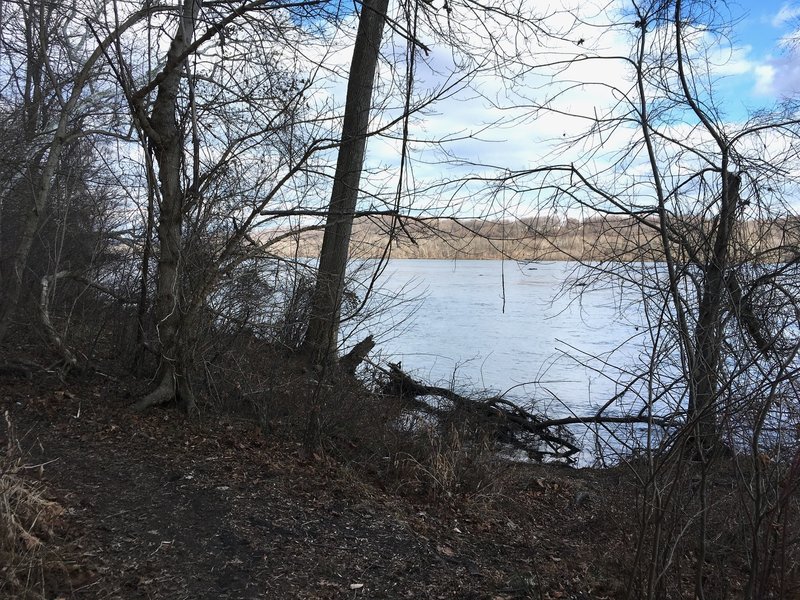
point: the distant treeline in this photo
(595, 239)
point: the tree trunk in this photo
(37, 41)
(708, 333)
(321, 338)
(142, 307)
(167, 141)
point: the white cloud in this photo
(533, 116)
(787, 13)
(765, 80)
(779, 76)
(735, 61)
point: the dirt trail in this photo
(161, 507)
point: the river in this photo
(526, 330)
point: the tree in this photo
(48, 71)
(482, 38)
(321, 337)
(228, 135)
(703, 202)
(164, 133)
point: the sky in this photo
(756, 67)
(485, 126)
(770, 66)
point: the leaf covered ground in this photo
(160, 506)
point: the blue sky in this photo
(527, 126)
(767, 66)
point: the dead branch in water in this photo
(512, 424)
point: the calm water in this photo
(508, 327)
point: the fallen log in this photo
(510, 423)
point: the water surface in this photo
(530, 330)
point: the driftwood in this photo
(511, 424)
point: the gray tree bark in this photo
(708, 331)
(167, 141)
(321, 338)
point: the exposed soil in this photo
(161, 506)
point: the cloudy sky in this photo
(767, 37)
(757, 64)
(493, 125)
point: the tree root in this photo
(163, 394)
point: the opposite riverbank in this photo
(612, 238)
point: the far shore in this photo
(617, 240)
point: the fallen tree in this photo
(511, 424)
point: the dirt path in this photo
(160, 507)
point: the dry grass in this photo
(26, 524)
(377, 434)
(446, 463)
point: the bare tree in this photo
(50, 61)
(163, 131)
(481, 38)
(228, 137)
(321, 337)
(700, 201)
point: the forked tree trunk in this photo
(167, 140)
(322, 335)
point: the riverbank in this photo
(159, 506)
(611, 238)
